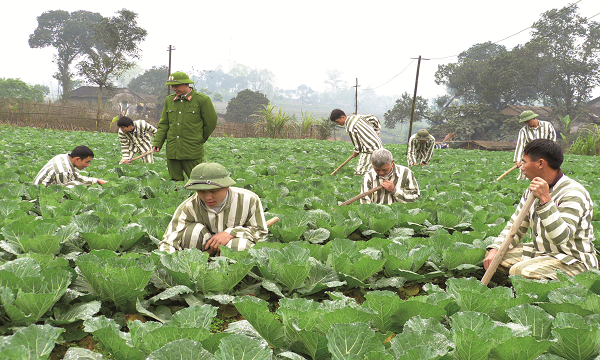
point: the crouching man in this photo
(399, 183)
(217, 215)
(560, 220)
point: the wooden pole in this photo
(272, 221)
(509, 237)
(142, 155)
(505, 173)
(356, 97)
(414, 102)
(370, 191)
(343, 164)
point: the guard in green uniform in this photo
(188, 119)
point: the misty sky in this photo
(298, 41)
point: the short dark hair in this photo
(124, 121)
(81, 152)
(336, 114)
(545, 149)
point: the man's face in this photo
(533, 123)
(181, 89)
(81, 164)
(341, 120)
(384, 169)
(213, 197)
(530, 168)
(127, 129)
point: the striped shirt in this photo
(60, 170)
(362, 130)
(139, 140)
(406, 187)
(544, 130)
(561, 228)
(419, 152)
(241, 216)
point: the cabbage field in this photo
(81, 277)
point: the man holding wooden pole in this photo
(399, 183)
(135, 137)
(559, 217)
(363, 131)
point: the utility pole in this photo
(412, 112)
(356, 97)
(170, 49)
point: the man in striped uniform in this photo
(217, 215)
(420, 148)
(62, 169)
(533, 129)
(135, 137)
(399, 184)
(364, 134)
(560, 220)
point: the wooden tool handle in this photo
(142, 155)
(343, 164)
(272, 221)
(370, 191)
(509, 237)
(508, 171)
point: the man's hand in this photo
(540, 190)
(355, 154)
(219, 239)
(517, 163)
(101, 181)
(126, 161)
(487, 261)
(388, 186)
(423, 163)
(155, 149)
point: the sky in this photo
(374, 41)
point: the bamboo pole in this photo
(370, 191)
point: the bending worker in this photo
(135, 137)
(217, 215)
(399, 183)
(62, 169)
(420, 148)
(560, 220)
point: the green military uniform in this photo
(185, 124)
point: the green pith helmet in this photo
(179, 77)
(527, 115)
(423, 133)
(207, 176)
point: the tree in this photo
(334, 80)
(116, 43)
(306, 94)
(400, 113)
(217, 97)
(70, 34)
(152, 82)
(246, 103)
(18, 89)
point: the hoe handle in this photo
(343, 164)
(142, 155)
(505, 173)
(509, 237)
(370, 191)
(272, 221)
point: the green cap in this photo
(179, 77)
(423, 133)
(527, 115)
(207, 176)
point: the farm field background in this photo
(80, 276)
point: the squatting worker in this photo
(533, 129)
(399, 183)
(364, 134)
(62, 169)
(217, 215)
(188, 119)
(135, 137)
(560, 220)
(420, 148)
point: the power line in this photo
(402, 71)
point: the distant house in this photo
(123, 99)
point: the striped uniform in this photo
(562, 234)
(194, 223)
(544, 130)
(362, 130)
(419, 152)
(139, 140)
(60, 170)
(406, 191)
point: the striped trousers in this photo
(364, 164)
(538, 268)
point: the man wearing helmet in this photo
(188, 119)
(217, 215)
(420, 148)
(533, 129)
